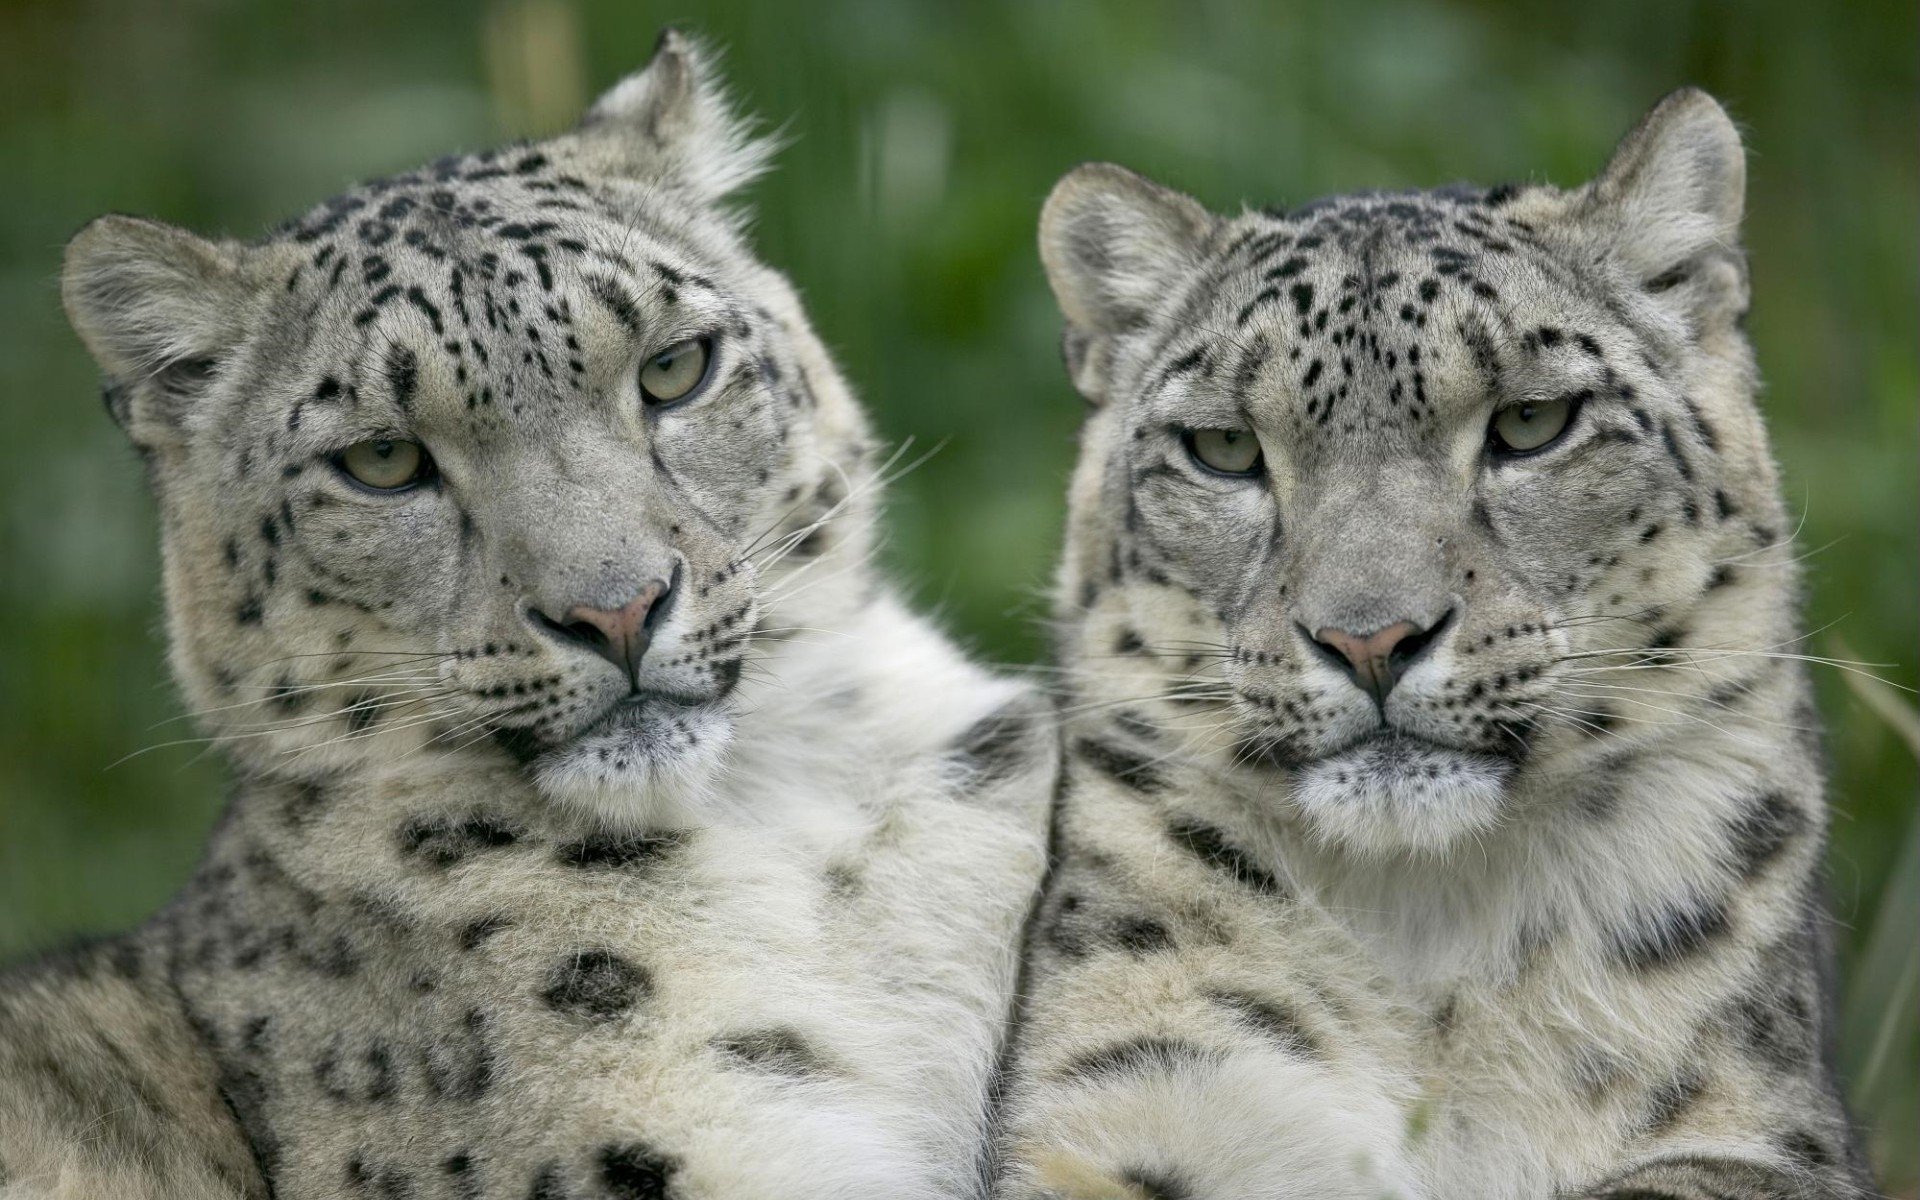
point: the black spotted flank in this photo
(305, 801)
(356, 1075)
(596, 984)
(1120, 764)
(1211, 847)
(1805, 1149)
(444, 841)
(367, 1180)
(1668, 1102)
(476, 932)
(637, 1172)
(547, 1185)
(1776, 1026)
(459, 1168)
(1136, 1056)
(993, 748)
(620, 851)
(1762, 830)
(461, 1066)
(1272, 1019)
(778, 1050)
(1671, 934)
(1142, 935)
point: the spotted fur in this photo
(1544, 920)
(489, 915)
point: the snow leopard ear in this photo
(1115, 246)
(161, 310)
(1114, 243)
(1669, 204)
(670, 123)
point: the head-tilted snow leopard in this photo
(1439, 800)
(603, 826)
(353, 427)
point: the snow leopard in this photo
(602, 823)
(1442, 808)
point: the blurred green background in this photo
(924, 137)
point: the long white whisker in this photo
(280, 695)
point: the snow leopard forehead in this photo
(488, 262)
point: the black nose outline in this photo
(621, 636)
(1377, 661)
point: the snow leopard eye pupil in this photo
(1225, 451)
(386, 464)
(1531, 425)
(676, 373)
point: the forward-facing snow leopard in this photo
(602, 826)
(1441, 811)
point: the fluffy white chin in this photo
(650, 765)
(1392, 796)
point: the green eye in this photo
(386, 464)
(1225, 451)
(676, 372)
(1529, 426)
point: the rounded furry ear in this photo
(1670, 201)
(671, 123)
(159, 309)
(1114, 244)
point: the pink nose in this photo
(619, 635)
(1376, 660)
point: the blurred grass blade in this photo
(1880, 1029)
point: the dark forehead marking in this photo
(482, 252)
(615, 297)
(450, 211)
(677, 276)
(1482, 348)
(1360, 225)
(1282, 283)
(1337, 314)
(403, 374)
(1255, 358)
(481, 269)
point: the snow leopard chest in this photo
(481, 1002)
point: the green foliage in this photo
(925, 136)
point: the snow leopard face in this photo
(505, 452)
(1384, 491)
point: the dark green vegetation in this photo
(925, 137)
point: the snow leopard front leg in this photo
(1760, 1114)
(1698, 1177)
(1165, 1049)
(1148, 1119)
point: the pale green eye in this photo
(1525, 427)
(386, 464)
(675, 372)
(1225, 451)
